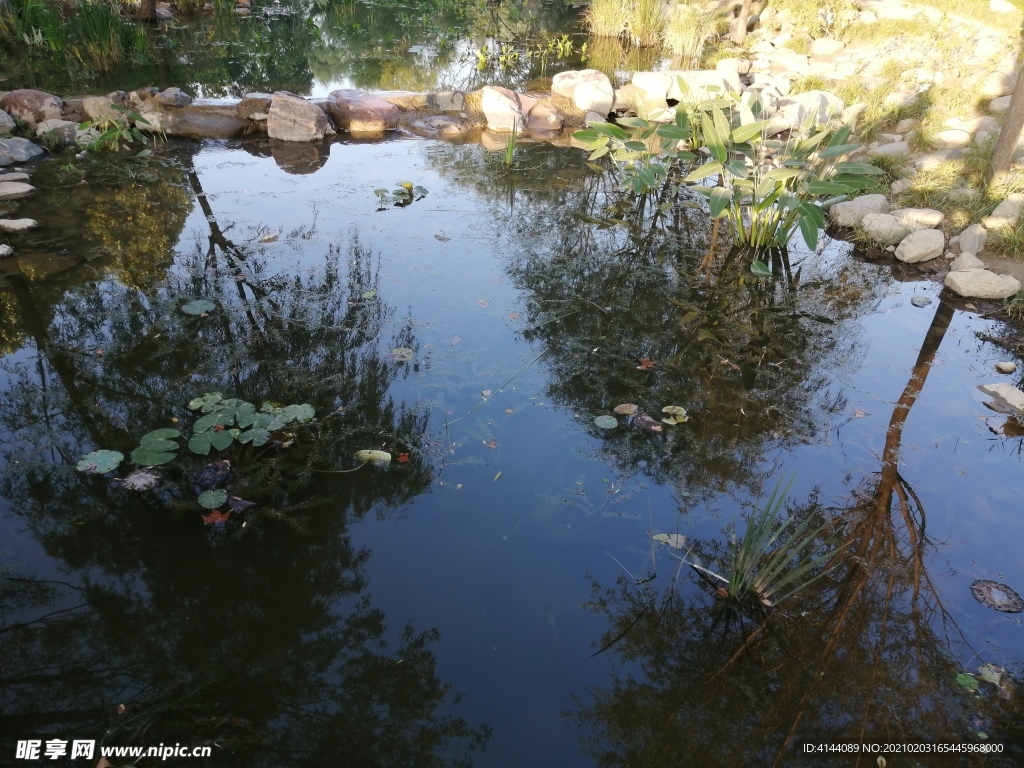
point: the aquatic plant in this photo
(687, 32)
(404, 194)
(116, 133)
(766, 188)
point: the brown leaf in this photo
(492, 443)
(485, 393)
(442, 238)
(513, 315)
(483, 302)
(646, 364)
(644, 421)
(120, 709)
(510, 410)
(626, 409)
(402, 458)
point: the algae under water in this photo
(448, 608)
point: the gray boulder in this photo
(15, 190)
(360, 112)
(973, 238)
(883, 228)
(292, 118)
(966, 260)
(850, 213)
(173, 97)
(922, 245)
(62, 132)
(7, 123)
(982, 284)
(17, 150)
(589, 89)
(31, 107)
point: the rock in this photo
(593, 117)
(922, 245)
(918, 218)
(409, 101)
(97, 109)
(852, 112)
(163, 12)
(292, 118)
(544, 118)
(504, 109)
(195, 125)
(31, 107)
(589, 89)
(7, 123)
(739, 66)
(994, 85)
(360, 112)
(254, 104)
(1007, 213)
(982, 284)
(17, 225)
(1006, 367)
(449, 101)
(966, 260)
(17, 150)
(440, 127)
(57, 131)
(963, 195)
(626, 98)
(930, 160)
(826, 46)
(882, 228)
(850, 213)
(299, 157)
(973, 238)
(999, 105)
(5, 251)
(952, 138)
(816, 106)
(900, 186)
(1007, 398)
(15, 190)
(173, 97)
(15, 177)
(896, 149)
(920, 301)
(905, 125)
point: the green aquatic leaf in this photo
(211, 420)
(760, 269)
(145, 457)
(158, 445)
(968, 681)
(162, 434)
(198, 307)
(99, 462)
(212, 499)
(299, 413)
(402, 354)
(256, 436)
(606, 422)
(369, 295)
(207, 402)
(200, 443)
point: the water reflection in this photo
(259, 638)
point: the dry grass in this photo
(687, 33)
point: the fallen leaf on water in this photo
(644, 421)
(674, 540)
(442, 238)
(627, 409)
(496, 477)
(646, 364)
(456, 340)
(457, 486)
(121, 709)
(402, 354)
(968, 681)
(378, 457)
(236, 504)
(990, 673)
(141, 480)
(676, 414)
(485, 393)
(510, 410)
(606, 422)
(492, 443)
(513, 315)
(483, 302)
(859, 414)
(216, 516)
(402, 458)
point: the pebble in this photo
(920, 301)
(1006, 367)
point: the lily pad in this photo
(211, 420)
(207, 402)
(402, 354)
(968, 681)
(676, 414)
(997, 596)
(256, 436)
(99, 462)
(162, 434)
(202, 442)
(145, 457)
(369, 295)
(198, 307)
(377, 457)
(626, 409)
(300, 413)
(674, 540)
(212, 499)
(158, 445)
(606, 422)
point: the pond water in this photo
(314, 48)
(495, 595)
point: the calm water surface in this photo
(453, 605)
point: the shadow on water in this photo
(258, 636)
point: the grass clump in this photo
(639, 22)
(687, 33)
(953, 188)
(1009, 241)
(810, 83)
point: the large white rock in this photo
(930, 160)
(15, 190)
(57, 131)
(826, 46)
(952, 138)
(850, 213)
(1007, 213)
(98, 109)
(816, 106)
(17, 225)
(996, 84)
(999, 105)
(503, 109)
(973, 238)
(922, 245)
(589, 89)
(883, 228)
(966, 260)
(356, 111)
(5, 251)
(7, 123)
(982, 284)
(17, 150)
(918, 218)
(1007, 398)
(292, 118)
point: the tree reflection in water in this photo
(261, 639)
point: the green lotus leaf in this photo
(198, 307)
(212, 499)
(99, 462)
(145, 457)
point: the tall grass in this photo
(687, 33)
(639, 22)
(32, 22)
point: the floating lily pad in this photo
(968, 681)
(997, 596)
(211, 420)
(198, 307)
(300, 413)
(158, 444)
(674, 540)
(212, 499)
(256, 436)
(99, 462)
(402, 354)
(202, 442)
(162, 434)
(145, 457)
(626, 409)
(207, 402)
(377, 457)
(676, 414)
(369, 295)
(606, 422)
